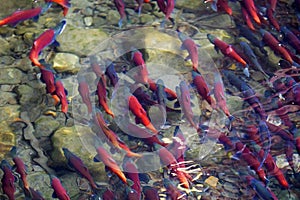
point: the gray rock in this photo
(7, 98)
(190, 4)
(5, 47)
(6, 60)
(146, 19)
(45, 126)
(113, 17)
(66, 62)
(27, 94)
(81, 42)
(10, 76)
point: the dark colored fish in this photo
(120, 5)
(112, 75)
(202, 88)
(76, 163)
(247, 92)
(8, 180)
(272, 19)
(291, 38)
(59, 191)
(20, 167)
(150, 193)
(261, 190)
(132, 173)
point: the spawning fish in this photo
(189, 45)
(220, 5)
(65, 4)
(59, 191)
(8, 180)
(77, 164)
(22, 15)
(142, 73)
(227, 50)
(45, 39)
(83, 89)
(120, 5)
(184, 98)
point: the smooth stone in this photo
(234, 103)
(45, 126)
(113, 17)
(145, 18)
(6, 60)
(190, 4)
(7, 139)
(27, 94)
(82, 42)
(8, 98)
(88, 21)
(10, 76)
(5, 47)
(66, 62)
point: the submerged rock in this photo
(66, 62)
(45, 126)
(81, 42)
(10, 76)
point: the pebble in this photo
(66, 62)
(88, 21)
(212, 181)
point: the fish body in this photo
(272, 4)
(250, 159)
(172, 191)
(219, 94)
(132, 173)
(150, 193)
(8, 180)
(272, 19)
(247, 92)
(291, 38)
(61, 93)
(252, 10)
(250, 54)
(76, 163)
(142, 73)
(227, 50)
(220, 5)
(262, 191)
(21, 15)
(273, 169)
(101, 93)
(59, 191)
(161, 94)
(20, 167)
(48, 77)
(83, 89)
(184, 98)
(202, 88)
(120, 5)
(140, 4)
(45, 39)
(65, 4)
(136, 108)
(112, 75)
(161, 5)
(170, 5)
(143, 134)
(170, 93)
(247, 19)
(109, 162)
(191, 47)
(112, 136)
(95, 66)
(274, 44)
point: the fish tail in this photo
(152, 128)
(120, 23)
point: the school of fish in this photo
(248, 136)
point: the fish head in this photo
(5, 164)
(60, 27)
